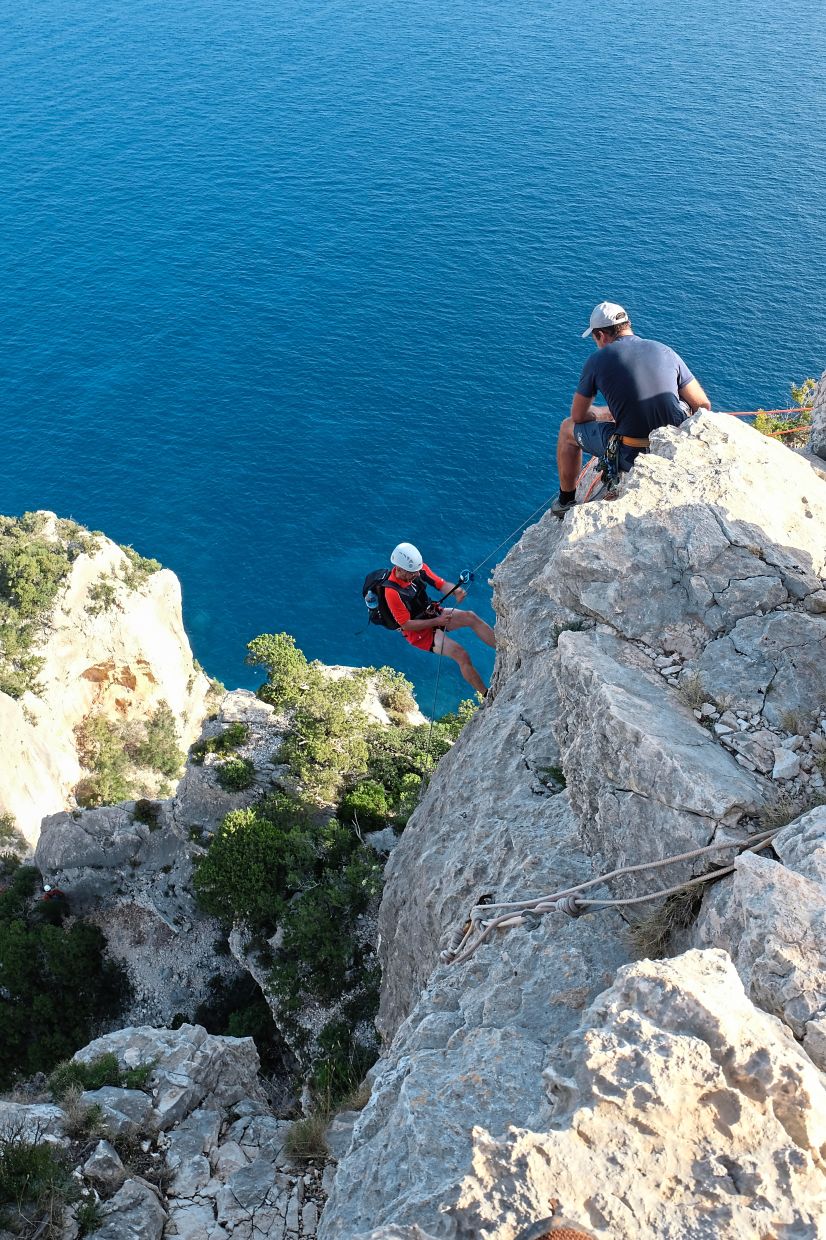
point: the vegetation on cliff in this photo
(294, 869)
(56, 985)
(34, 563)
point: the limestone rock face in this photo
(134, 878)
(817, 441)
(677, 1109)
(663, 655)
(120, 659)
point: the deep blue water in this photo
(283, 283)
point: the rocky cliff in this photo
(660, 688)
(109, 644)
(817, 441)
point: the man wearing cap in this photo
(646, 385)
(425, 624)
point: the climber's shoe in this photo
(559, 507)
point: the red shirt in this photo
(398, 609)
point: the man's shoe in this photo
(559, 509)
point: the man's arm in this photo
(581, 410)
(694, 396)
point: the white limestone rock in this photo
(104, 1167)
(645, 779)
(121, 661)
(134, 1212)
(192, 1069)
(679, 1110)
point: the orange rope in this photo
(752, 413)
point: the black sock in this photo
(566, 497)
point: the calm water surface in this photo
(285, 283)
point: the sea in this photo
(284, 282)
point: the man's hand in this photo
(694, 396)
(459, 594)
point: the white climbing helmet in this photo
(406, 556)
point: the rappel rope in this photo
(480, 925)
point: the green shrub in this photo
(395, 692)
(233, 737)
(148, 812)
(72, 1074)
(235, 774)
(256, 860)
(342, 1063)
(32, 571)
(89, 1216)
(286, 666)
(139, 570)
(319, 949)
(35, 1182)
(57, 986)
(159, 748)
(103, 595)
(102, 750)
(366, 804)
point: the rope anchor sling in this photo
(485, 918)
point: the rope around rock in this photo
(479, 926)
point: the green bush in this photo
(72, 1074)
(57, 986)
(235, 774)
(148, 812)
(342, 1064)
(32, 570)
(286, 666)
(327, 726)
(102, 751)
(233, 737)
(319, 950)
(35, 1181)
(256, 860)
(159, 748)
(395, 692)
(140, 568)
(367, 804)
(89, 1216)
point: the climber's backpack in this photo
(372, 592)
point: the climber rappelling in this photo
(397, 599)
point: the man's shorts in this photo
(593, 437)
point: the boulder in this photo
(134, 1212)
(645, 779)
(104, 1167)
(192, 1069)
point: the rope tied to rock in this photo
(480, 925)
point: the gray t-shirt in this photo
(640, 380)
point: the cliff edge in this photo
(660, 688)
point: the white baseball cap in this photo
(606, 314)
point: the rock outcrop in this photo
(664, 655)
(113, 644)
(129, 868)
(195, 1152)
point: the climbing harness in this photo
(480, 924)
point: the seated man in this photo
(646, 385)
(425, 623)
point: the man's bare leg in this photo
(568, 456)
(469, 620)
(444, 645)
